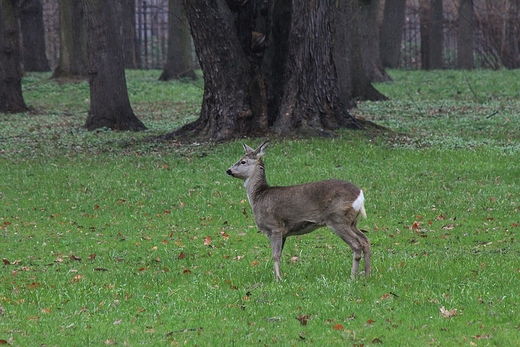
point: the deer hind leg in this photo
(366, 247)
(357, 242)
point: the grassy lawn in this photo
(110, 240)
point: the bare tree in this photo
(33, 36)
(465, 35)
(392, 33)
(109, 102)
(11, 98)
(179, 59)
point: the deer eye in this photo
(243, 162)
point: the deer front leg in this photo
(277, 242)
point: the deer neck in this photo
(255, 183)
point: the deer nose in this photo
(229, 172)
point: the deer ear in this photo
(248, 149)
(261, 150)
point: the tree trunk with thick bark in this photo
(73, 41)
(268, 68)
(11, 98)
(178, 59)
(33, 36)
(392, 33)
(109, 103)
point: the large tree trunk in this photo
(33, 36)
(130, 46)
(225, 109)
(392, 33)
(178, 60)
(316, 107)
(465, 35)
(73, 41)
(268, 67)
(109, 103)
(11, 98)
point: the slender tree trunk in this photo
(392, 33)
(11, 98)
(436, 34)
(109, 103)
(465, 35)
(178, 60)
(425, 20)
(130, 46)
(511, 49)
(73, 41)
(33, 36)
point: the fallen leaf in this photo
(46, 310)
(207, 241)
(119, 321)
(303, 318)
(377, 340)
(448, 227)
(73, 257)
(6, 262)
(294, 259)
(91, 257)
(338, 327)
(370, 321)
(181, 255)
(448, 313)
(255, 263)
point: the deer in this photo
(283, 211)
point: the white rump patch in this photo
(358, 203)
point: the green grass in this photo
(106, 236)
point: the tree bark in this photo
(11, 98)
(33, 36)
(109, 103)
(425, 25)
(353, 81)
(268, 68)
(465, 35)
(511, 50)
(392, 33)
(178, 60)
(367, 20)
(73, 41)
(436, 34)
(130, 46)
